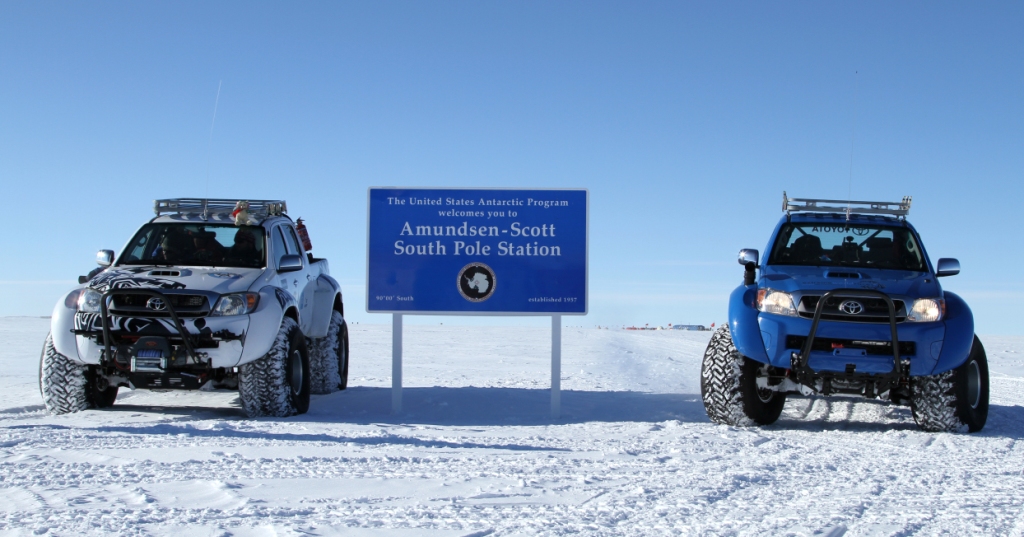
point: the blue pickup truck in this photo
(846, 302)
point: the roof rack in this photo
(808, 205)
(206, 207)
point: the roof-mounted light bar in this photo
(808, 205)
(206, 207)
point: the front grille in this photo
(879, 348)
(140, 300)
(875, 309)
(131, 304)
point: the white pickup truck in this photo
(209, 293)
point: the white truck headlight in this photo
(926, 310)
(89, 301)
(235, 304)
(778, 302)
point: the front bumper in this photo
(217, 341)
(920, 343)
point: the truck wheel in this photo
(956, 400)
(278, 383)
(343, 356)
(62, 382)
(728, 385)
(69, 387)
(328, 357)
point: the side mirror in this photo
(289, 263)
(105, 258)
(748, 258)
(947, 267)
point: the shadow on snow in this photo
(491, 406)
(485, 406)
(473, 406)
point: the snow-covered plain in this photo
(475, 452)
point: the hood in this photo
(219, 280)
(791, 278)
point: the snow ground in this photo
(476, 454)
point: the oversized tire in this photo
(728, 385)
(62, 382)
(343, 356)
(67, 386)
(328, 358)
(278, 383)
(954, 401)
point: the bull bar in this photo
(874, 383)
(105, 318)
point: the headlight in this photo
(89, 301)
(926, 310)
(237, 304)
(778, 302)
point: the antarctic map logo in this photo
(476, 282)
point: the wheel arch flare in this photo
(743, 323)
(265, 322)
(62, 324)
(959, 336)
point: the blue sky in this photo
(686, 121)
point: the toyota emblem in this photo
(851, 307)
(156, 304)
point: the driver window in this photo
(293, 243)
(138, 249)
(278, 240)
(910, 253)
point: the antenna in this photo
(853, 139)
(209, 144)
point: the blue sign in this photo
(477, 251)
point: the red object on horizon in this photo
(712, 325)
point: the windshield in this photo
(202, 245)
(843, 245)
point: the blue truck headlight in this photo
(778, 302)
(926, 310)
(89, 301)
(235, 304)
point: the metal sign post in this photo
(396, 363)
(447, 251)
(556, 366)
